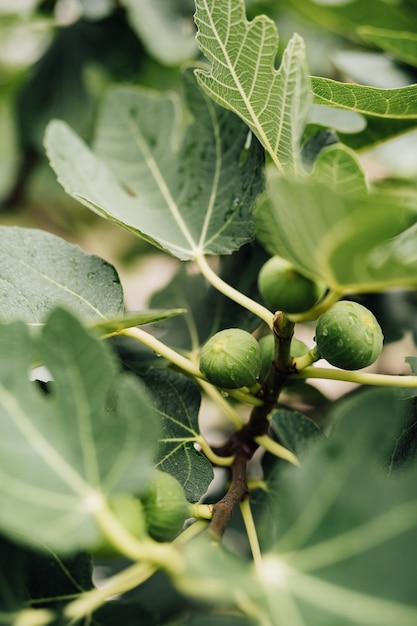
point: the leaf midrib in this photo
(255, 120)
(38, 442)
(160, 182)
(48, 279)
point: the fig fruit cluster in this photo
(349, 336)
(284, 288)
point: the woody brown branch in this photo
(241, 444)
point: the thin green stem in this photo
(201, 511)
(225, 406)
(321, 307)
(177, 359)
(275, 448)
(183, 363)
(234, 294)
(215, 459)
(250, 527)
(307, 359)
(257, 483)
(159, 554)
(119, 536)
(361, 378)
(244, 396)
(130, 577)
(252, 609)
(29, 617)
(191, 531)
(126, 580)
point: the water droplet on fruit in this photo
(340, 343)
(368, 338)
(251, 354)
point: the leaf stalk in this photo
(361, 378)
(234, 294)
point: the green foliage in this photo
(284, 502)
(198, 194)
(334, 538)
(179, 408)
(392, 103)
(275, 104)
(41, 271)
(349, 242)
(84, 440)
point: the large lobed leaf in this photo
(189, 199)
(275, 104)
(339, 167)
(348, 528)
(41, 271)
(30, 576)
(354, 243)
(178, 405)
(64, 453)
(397, 103)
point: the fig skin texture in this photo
(231, 359)
(284, 288)
(349, 336)
(165, 507)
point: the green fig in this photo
(284, 288)
(165, 507)
(231, 359)
(349, 336)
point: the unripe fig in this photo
(165, 507)
(349, 336)
(298, 348)
(129, 511)
(231, 359)
(284, 288)
(267, 345)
